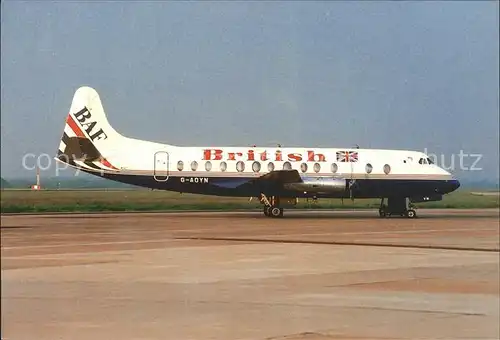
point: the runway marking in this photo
(361, 244)
(174, 238)
(59, 256)
(118, 232)
(384, 232)
(273, 303)
(416, 231)
(91, 244)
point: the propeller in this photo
(352, 184)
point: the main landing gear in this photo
(397, 206)
(272, 206)
(273, 211)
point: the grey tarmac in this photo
(311, 275)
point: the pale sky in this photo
(418, 75)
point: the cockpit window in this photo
(425, 161)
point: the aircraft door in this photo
(161, 166)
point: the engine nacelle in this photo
(430, 198)
(319, 185)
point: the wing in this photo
(281, 177)
(271, 180)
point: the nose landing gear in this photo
(397, 206)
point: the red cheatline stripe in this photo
(76, 129)
(108, 164)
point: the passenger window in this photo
(303, 167)
(316, 167)
(240, 166)
(335, 167)
(368, 168)
(223, 166)
(256, 166)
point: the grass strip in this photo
(26, 201)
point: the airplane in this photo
(277, 176)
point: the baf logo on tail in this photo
(84, 118)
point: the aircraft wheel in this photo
(382, 213)
(267, 211)
(276, 212)
(411, 213)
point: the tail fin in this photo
(88, 138)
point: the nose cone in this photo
(451, 186)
